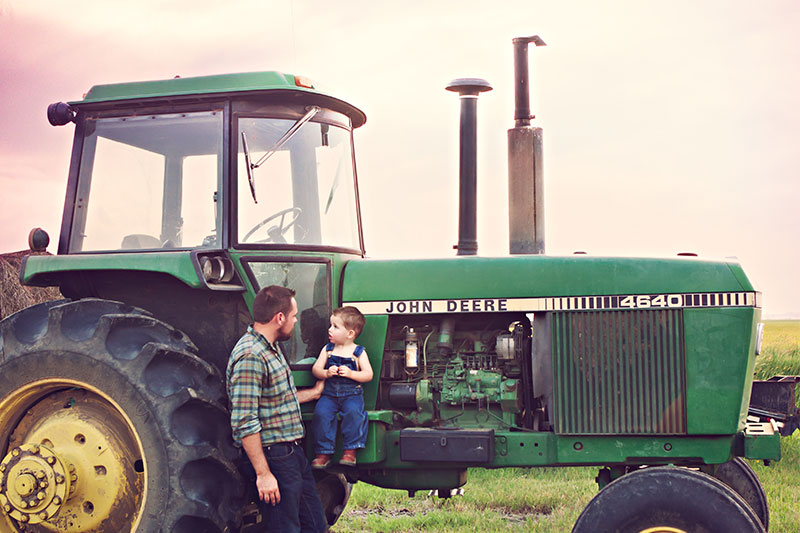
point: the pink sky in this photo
(668, 126)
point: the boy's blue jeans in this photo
(354, 422)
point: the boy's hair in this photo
(352, 318)
(270, 301)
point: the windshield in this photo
(304, 191)
(149, 182)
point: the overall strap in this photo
(357, 352)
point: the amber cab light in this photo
(302, 81)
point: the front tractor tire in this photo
(109, 422)
(667, 500)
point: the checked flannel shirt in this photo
(262, 392)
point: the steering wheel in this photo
(276, 233)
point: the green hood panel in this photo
(45, 270)
(535, 276)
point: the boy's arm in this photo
(319, 365)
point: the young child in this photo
(344, 366)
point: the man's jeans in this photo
(300, 508)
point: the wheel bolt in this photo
(71, 468)
(35, 449)
(15, 452)
(43, 484)
(40, 474)
(7, 508)
(23, 504)
(57, 500)
(59, 479)
(23, 518)
(43, 515)
(40, 496)
(51, 460)
(2, 467)
(73, 478)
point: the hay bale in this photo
(13, 295)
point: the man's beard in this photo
(284, 335)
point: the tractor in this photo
(186, 196)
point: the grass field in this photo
(550, 499)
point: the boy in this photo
(344, 366)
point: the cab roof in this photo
(217, 85)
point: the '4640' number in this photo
(652, 300)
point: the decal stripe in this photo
(566, 303)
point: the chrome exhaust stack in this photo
(525, 170)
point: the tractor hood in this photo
(537, 276)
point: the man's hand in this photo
(312, 393)
(267, 487)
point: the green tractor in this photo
(186, 196)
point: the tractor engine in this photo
(465, 372)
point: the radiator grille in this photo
(619, 372)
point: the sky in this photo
(668, 126)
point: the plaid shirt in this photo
(262, 392)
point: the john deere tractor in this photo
(186, 196)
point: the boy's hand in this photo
(344, 371)
(332, 371)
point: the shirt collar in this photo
(251, 330)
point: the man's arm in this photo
(244, 393)
(313, 393)
(265, 481)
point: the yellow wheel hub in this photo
(33, 484)
(73, 462)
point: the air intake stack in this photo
(468, 89)
(525, 171)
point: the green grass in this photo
(780, 352)
(550, 499)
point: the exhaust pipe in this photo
(468, 90)
(525, 171)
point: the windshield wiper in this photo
(249, 168)
(310, 112)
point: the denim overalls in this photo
(341, 396)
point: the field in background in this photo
(550, 499)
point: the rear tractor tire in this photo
(109, 422)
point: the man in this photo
(266, 420)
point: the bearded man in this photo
(266, 419)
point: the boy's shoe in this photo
(321, 461)
(348, 458)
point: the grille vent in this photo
(619, 372)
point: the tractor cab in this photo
(256, 160)
(227, 183)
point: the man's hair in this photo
(351, 317)
(270, 301)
